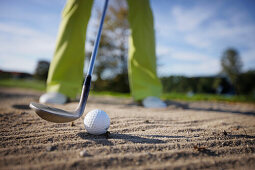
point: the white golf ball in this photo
(97, 122)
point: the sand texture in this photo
(185, 135)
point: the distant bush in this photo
(41, 71)
(117, 84)
(182, 84)
(247, 82)
(213, 84)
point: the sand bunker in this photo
(194, 135)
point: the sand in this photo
(185, 135)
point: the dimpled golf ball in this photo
(97, 122)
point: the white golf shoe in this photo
(153, 102)
(53, 98)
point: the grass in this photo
(28, 84)
(40, 86)
(208, 97)
(109, 93)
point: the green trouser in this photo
(66, 69)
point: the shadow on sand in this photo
(6, 95)
(21, 106)
(103, 139)
(186, 106)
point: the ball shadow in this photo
(104, 139)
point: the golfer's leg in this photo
(66, 68)
(142, 58)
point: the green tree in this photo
(232, 66)
(41, 71)
(247, 83)
(111, 63)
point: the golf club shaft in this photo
(86, 85)
(94, 53)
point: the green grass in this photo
(208, 97)
(40, 86)
(109, 93)
(22, 83)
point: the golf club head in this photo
(53, 114)
(61, 116)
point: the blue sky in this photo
(191, 35)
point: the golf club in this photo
(61, 116)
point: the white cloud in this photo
(188, 19)
(198, 34)
(24, 41)
(189, 56)
(202, 69)
(14, 63)
(188, 63)
(162, 50)
(220, 32)
(22, 46)
(28, 35)
(210, 67)
(248, 58)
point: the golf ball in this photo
(97, 122)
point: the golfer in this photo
(66, 68)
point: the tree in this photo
(111, 63)
(41, 71)
(247, 83)
(231, 66)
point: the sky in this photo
(191, 35)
